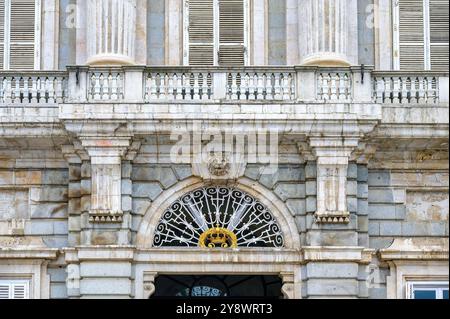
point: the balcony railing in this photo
(138, 84)
(409, 87)
(33, 87)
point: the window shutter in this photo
(14, 289)
(411, 35)
(20, 291)
(2, 34)
(439, 35)
(22, 34)
(201, 32)
(231, 33)
(4, 291)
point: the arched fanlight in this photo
(218, 217)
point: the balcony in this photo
(213, 85)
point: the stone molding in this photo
(421, 249)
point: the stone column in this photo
(328, 32)
(111, 32)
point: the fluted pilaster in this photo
(325, 31)
(111, 32)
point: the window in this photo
(14, 289)
(428, 290)
(19, 34)
(215, 32)
(421, 36)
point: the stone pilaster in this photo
(332, 165)
(106, 182)
(328, 32)
(111, 32)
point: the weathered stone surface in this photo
(332, 270)
(163, 175)
(296, 206)
(330, 287)
(286, 191)
(183, 171)
(49, 210)
(147, 190)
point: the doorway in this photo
(218, 286)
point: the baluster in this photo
(292, 86)
(421, 90)
(269, 86)
(396, 90)
(430, 91)
(52, 90)
(413, 90)
(204, 95)
(59, 92)
(277, 86)
(234, 86)
(16, 98)
(404, 98)
(153, 94)
(26, 91)
(170, 87)
(97, 87)
(379, 94)
(187, 86)
(260, 81)
(336, 81)
(326, 87)
(8, 90)
(388, 89)
(348, 86)
(196, 86)
(114, 88)
(343, 86)
(251, 87)
(180, 91)
(286, 87)
(2, 90)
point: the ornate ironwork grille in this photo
(218, 217)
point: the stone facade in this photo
(87, 167)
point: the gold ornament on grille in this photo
(218, 237)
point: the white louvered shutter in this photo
(14, 289)
(201, 32)
(439, 38)
(2, 32)
(22, 34)
(231, 32)
(411, 35)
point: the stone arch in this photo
(281, 213)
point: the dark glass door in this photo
(218, 286)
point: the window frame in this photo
(412, 286)
(427, 36)
(7, 35)
(216, 7)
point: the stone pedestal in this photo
(111, 32)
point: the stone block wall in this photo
(407, 204)
(34, 203)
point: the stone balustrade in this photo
(139, 84)
(409, 88)
(33, 87)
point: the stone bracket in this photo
(105, 216)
